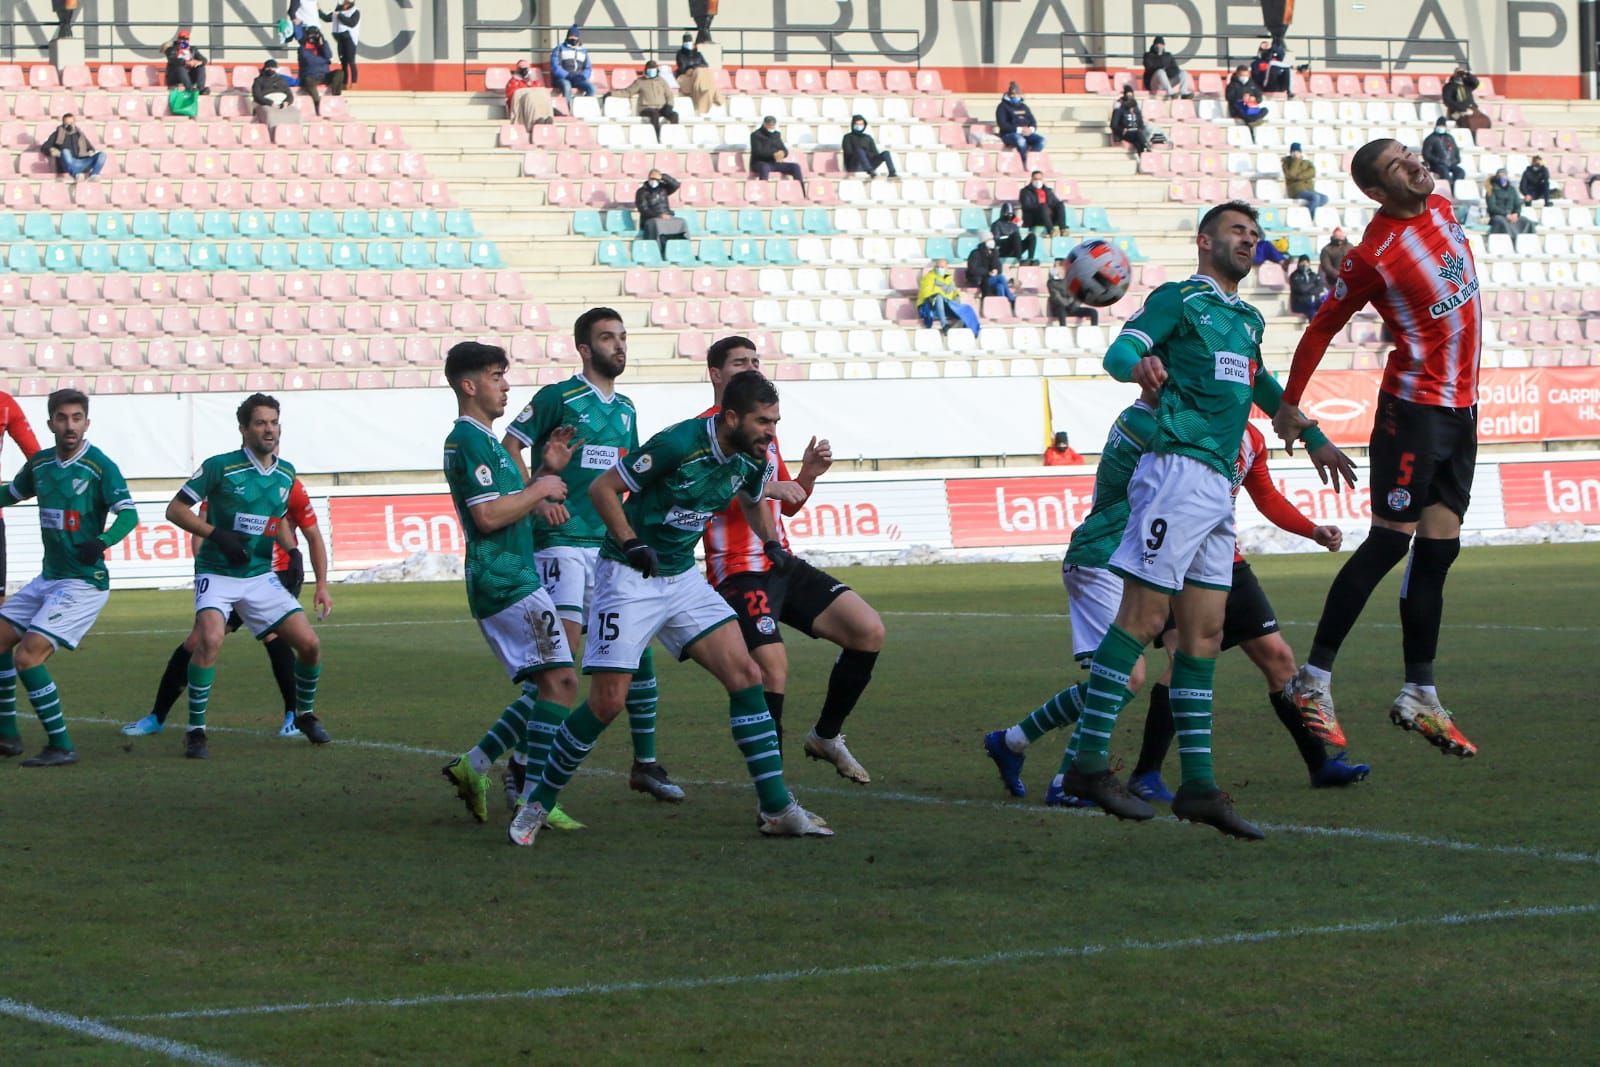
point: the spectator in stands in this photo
(1127, 122)
(70, 149)
(1460, 104)
(1010, 238)
(1063, 305)
(345, 25)
(316, 67)
(1505, 207)
(656, 221)
(1014, 119)
(1061, 453)
(302, 16)
(689, 57)
(1162, 73)
(860, 151)
(1273, 251)
(521, 78)
(1042, 209)
(1333, 253)
(1535, 182)
(701, 12)
(1442, 155)
(570, 68)
(652, 100)
(66, 11)
(768, 153)
(1244, 99)
(1306, 290)
(1271, 71)
(273, 98)
(937, 296)
(696, 78)
(1300, 178)
(985, 273)
(186, 67)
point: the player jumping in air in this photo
(1200, 345)
(246, 493)
(78, 487)
(646, 588)
(567, 534)
(1414, 265)
(811, 601)
(504, 593)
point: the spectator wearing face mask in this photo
(1010, 238)
(527, 102)
(1460, 104)
(1244, 98)
(345, 25)
(1306, 290)
(1041, 208)
(769, 155)
(1442, 155)
(984, 272)
(1018, 128)
(70, 149)
(1333, 253)
(652, 99)
(1061, 453)
(186, 67)
(696, 78)
(1271, 70)
(1127, 122)
(653, 203)
(1504, 205)
(1162, 73)
(1300, 178)
(273, 98)
(860, 151)
(316, 67)
(937, 297)
(1535, 182)
(1063, 305)
(570, 68)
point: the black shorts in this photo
(762, 599)
(293, 579)
(1420, 456)
(2, 557)
(1249, 613)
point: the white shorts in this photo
(527, 637)
(1093, 597)
(567, 572)
(1180, 526)
(262, 602)
(60, 609)
(629, 609)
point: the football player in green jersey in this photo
(567, 536)
(1199, 345)
(246, 494)
(647, 588)
(78, 487)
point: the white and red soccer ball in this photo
(1098, 273)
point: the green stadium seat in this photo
(75, 226)
(169, 256)
(358, 225)
(381, 255)
(9, 230)
(780, 253)
(818, 222)
(713, 252)
(241, 255)
(619, 221)
(322, 224)
(134, 257)
(1074, 217)
(785, 221)
(347, 255)
(1271, 218)
(939, 248)
(183, 226)
(459, 224)
(203, 255)
(1130, 248)
(747, 253)
(277, 256)
(39, 226)
(24, 259)
(311, 255)
(392, 223)
(426, 223)
(1301, 245)
(647, 254)
(451, 254)
(1060, 246)
(587, 223)
(613, 253)
(254, 225)
(974, 220)
(149, 226)
(1095, 220)
(690, 217)
(418, 255)
(62, 259)
(719, 222)
(485, 254)
(288, 224)
(753, 222)
(218, 224)
(681, 254)
(108, 225)
(964, 247)
(100, 257)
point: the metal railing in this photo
(122, 41)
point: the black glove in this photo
(91, 551)
(232, 545)
(295, 576)
(782, 559)
(641, 557)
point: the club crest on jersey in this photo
(1340, 290)
(1399, 499)
(1453, 268)
(80, 485)
(766, 625)
(1457, 234)
(642, 464)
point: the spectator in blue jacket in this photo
(316, 67)
(1015, 121)
(570, 67)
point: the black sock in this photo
(1376, 557)
(775, 709)
(282, 658)
(174, 680)
(1158, 731)
(1422, 604)
(851, 673)
(1312, 750)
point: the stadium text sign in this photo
(1551, 492)
(1530, 404)
(995, 512)
(382, 529)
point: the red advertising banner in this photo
(995, 512)
(1527, 404)
(1551, 491)
(369, 530)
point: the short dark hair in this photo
(746, 391)
(1212, 219)
(251, 402)
(583, 329)
(719, 351)
(1241, 67)
(469, 358)
(1364, 165)
(63, 397)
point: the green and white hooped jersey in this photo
(499, 566)
(75, 497)
(246, 496)
(607, 430)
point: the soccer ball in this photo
(1098, 273)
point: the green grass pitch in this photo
(339, 906)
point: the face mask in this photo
(1014, 99)
(858, 127)
(650, 74)
(1038, 185)
(572, 42)
(652, 183)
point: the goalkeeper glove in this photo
(91, 551)
(232, 545)
(782, 559)
(641, 557)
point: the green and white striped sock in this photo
(573, 741)
(1191, 717)
(508, 730)
(1063, 709)
(757, 737)
(46, 701)
(200, 679)
(1105, 697)
(642, 709)
(305, 687)
(8, 696)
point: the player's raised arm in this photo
(1358, 283)
(1293, 424)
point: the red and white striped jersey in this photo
(1250, 472)
(1420, 276)
(731, 546)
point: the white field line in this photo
(77, 1024)
(1027, 955)
(1387, 837)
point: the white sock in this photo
(1058, 781)
(1318, 675)
(1016, 740)
(479, 761)
(1428, 691)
